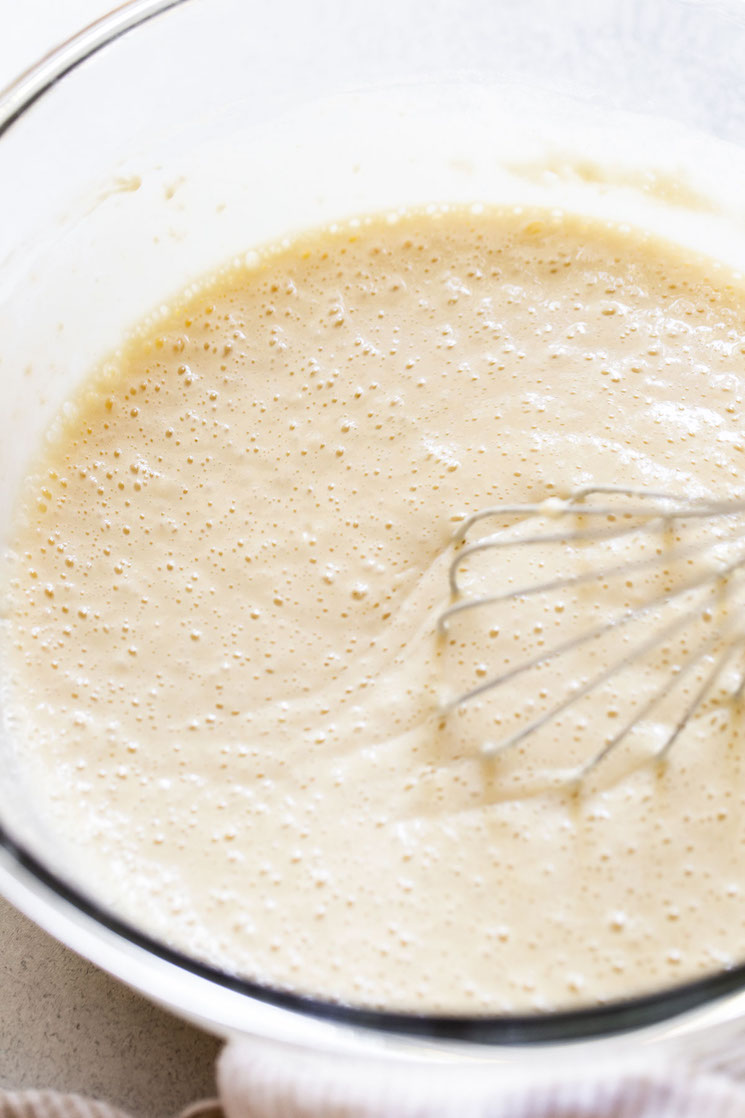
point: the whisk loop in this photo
(625, 512)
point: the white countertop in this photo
(63, 1023)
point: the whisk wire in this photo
(570, 506)
(592, 634)
(699, 696)
(674, 680)
(652, 508)
(564, 582)
(598, 680)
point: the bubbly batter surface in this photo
(223, 662)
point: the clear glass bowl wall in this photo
(174, 137)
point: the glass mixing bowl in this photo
(171, 137)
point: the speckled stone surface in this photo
(66, 1025)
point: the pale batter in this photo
(223, 666)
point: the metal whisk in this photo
(594, 519)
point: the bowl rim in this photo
(612, 1018)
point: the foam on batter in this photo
(223, 666)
